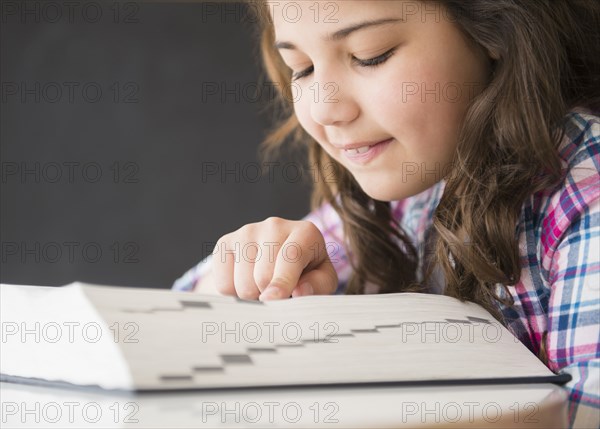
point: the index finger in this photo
(293, 257)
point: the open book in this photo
(146, 339)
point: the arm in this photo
(187, 281)
(324, 218)
(573, 340)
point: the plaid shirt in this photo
(557, 300)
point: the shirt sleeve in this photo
(326, 219)
(573, 315)
(188, 280)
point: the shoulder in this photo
(580, 147)
(579, 151)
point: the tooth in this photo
(359, 150)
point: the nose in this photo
(331, 102)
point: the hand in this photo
(289, 257)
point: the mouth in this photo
(361, 147)
(364, 154)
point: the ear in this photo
(494, 55)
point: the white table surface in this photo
(519, 406)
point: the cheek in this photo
(418, 99)
(399, 103)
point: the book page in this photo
(55, 334)
(174, 340)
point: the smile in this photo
(365, 154)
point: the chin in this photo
(380, 193)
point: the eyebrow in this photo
(344, 32)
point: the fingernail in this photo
(271, 292)
(306, 289)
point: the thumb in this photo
(322, 280)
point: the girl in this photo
(465, 138)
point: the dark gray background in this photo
(138, 153)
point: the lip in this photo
(364, 158)
(359, 144)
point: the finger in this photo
(265, 262)
(243, 274)
(223, 261)
(323, 280)
(292, 258)
(303, 289)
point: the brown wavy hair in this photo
(547, 61)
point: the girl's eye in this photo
(373, 62)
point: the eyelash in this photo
(373, 62)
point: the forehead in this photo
(330, 21)
(327, 13)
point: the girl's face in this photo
(417, 96)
